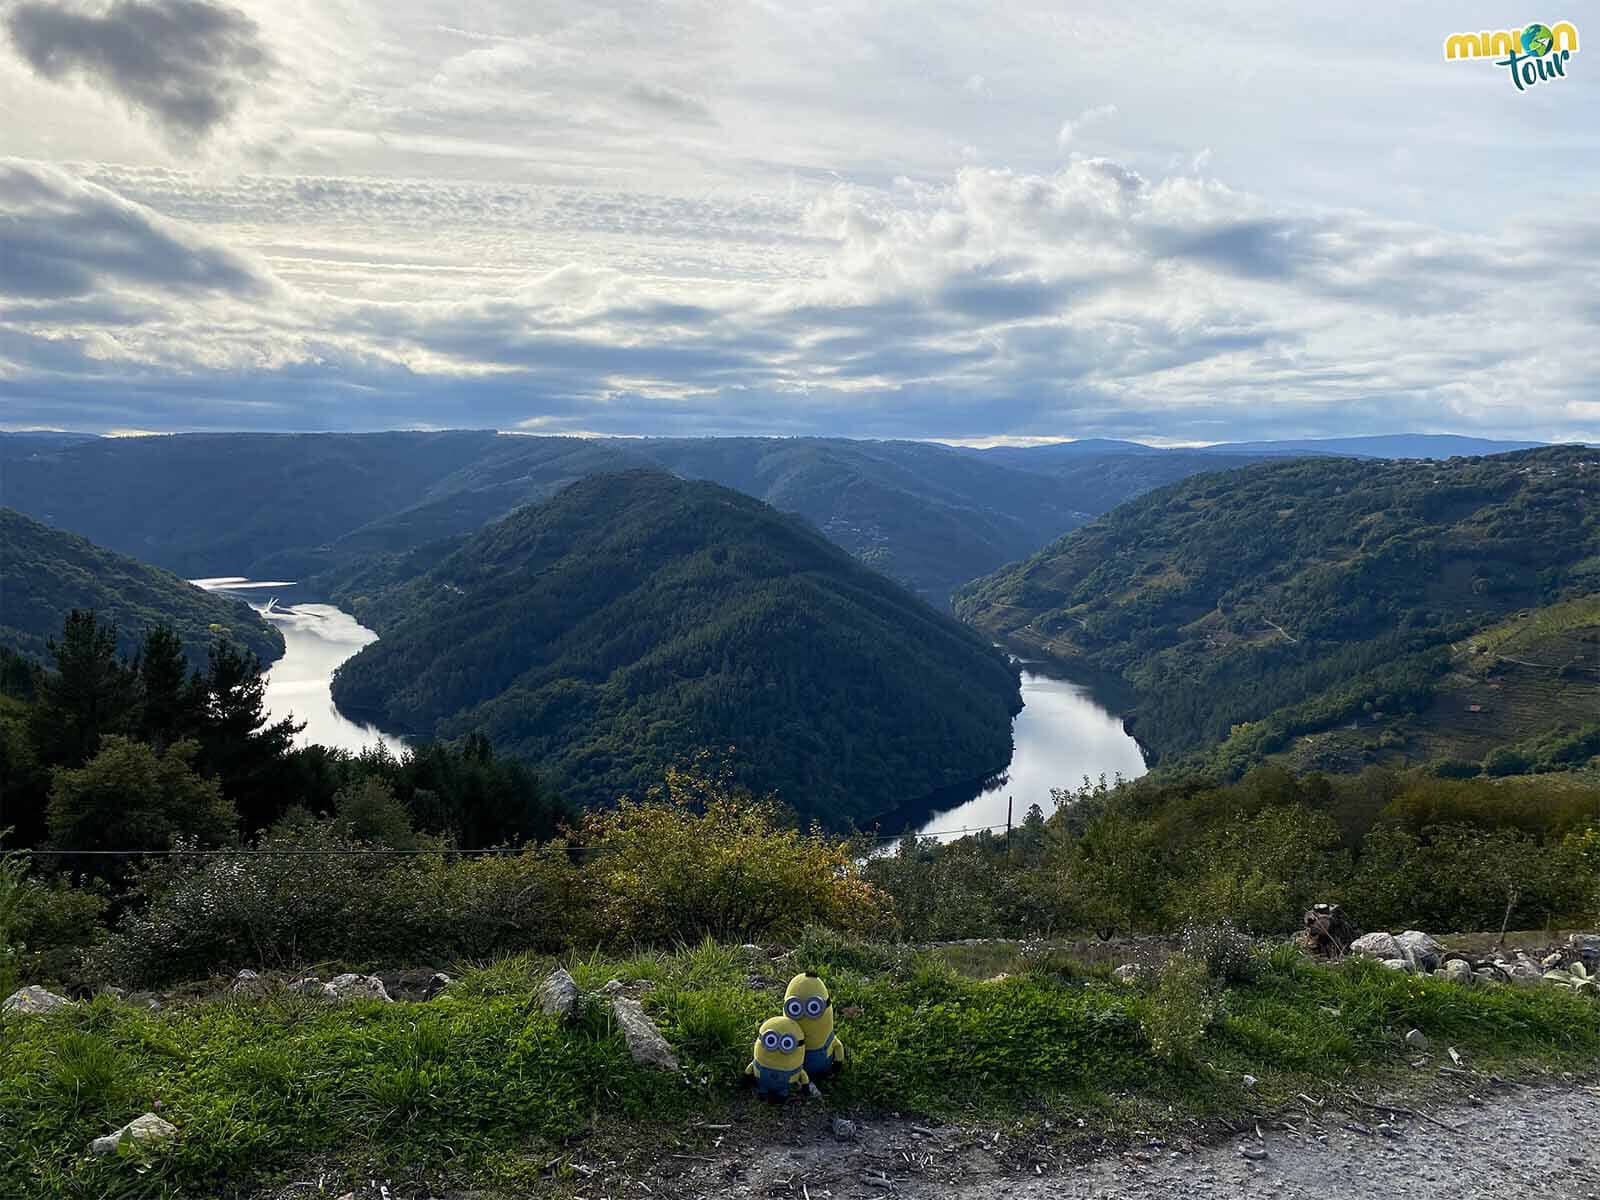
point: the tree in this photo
(132, 797)
(371, 813)
(90, 694)
(237, 745)
(173, 699)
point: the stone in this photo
(1417, 947)
(1459, 971)
(148, 1129)
(559, 995)
(1585, 946)
(844, 1130)
(33, 999)
(1127, 973)
(1397, 964)
(248, 983)
(613, 987)
(312, 986)
(645, 1043)
(359, 987)
(1253, 1153)
(1381, 946)
(1417, 1040)
(437, 982)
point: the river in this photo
(317, 638)
(1061, 735)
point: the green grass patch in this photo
(474, 1084)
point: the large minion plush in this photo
(779, 1059)
(807, 1003)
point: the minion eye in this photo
(788, 1043)
(795, 1008)
(770, 1041)
(814, 1006)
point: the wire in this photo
(389, 850)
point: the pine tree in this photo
(92, 693)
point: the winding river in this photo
(317, 638)
(1061, 735)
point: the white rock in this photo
(1458, 970)
(645, 1043)
(1417, 947)
(33, 999)
(312, 986)
(1417, 1040)
(248, 983)
(148, 1128)
(559, 995)
(359, 987)
(1127, 973)
(1397, 964)
(1381, 946)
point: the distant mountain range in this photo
(305, 506)
(45, 573)
(636, 619)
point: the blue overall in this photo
(819, 1062)
(774, 1081)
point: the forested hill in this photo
(636, 618)
(1295, 594)
(45, 573)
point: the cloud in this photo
(671, 102)
(1089, 116)
(186, 64)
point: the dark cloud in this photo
(670, 102)
(61, 238)
(184, 63)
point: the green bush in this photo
(1176, 1015)
(1228, 955)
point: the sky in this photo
(979, 221)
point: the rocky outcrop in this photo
(645, 1043)
(33, 999)
(1380, 946)
(359, 987)
(148, 1129)
(558, 997)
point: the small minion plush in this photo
(779, 1059)
(807, 1003)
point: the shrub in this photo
(705, 859)
(1228, 955)
(1177, 1013)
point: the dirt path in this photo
(1516, 1142)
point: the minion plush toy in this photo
(779, 1059)
(807, 1003)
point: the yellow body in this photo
(774, 1068)
(818, 1027)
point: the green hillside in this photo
(45, 573)
(1247, 608)
(637, 618)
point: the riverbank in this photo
(995, 1076)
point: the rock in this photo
(147, 1000)
(1397, 964)
(1459, 971)
(1253, 1153)
(148, 1128)
(1417, 1040)
(437, 982)
(1418, 948)
(359, 987)
(248, 983)
(844, 1130)
(112, 993)
(1248, 1082)
(559, 995)
(1585, 946)
(613, 987)
(1381, 946)
(33, 999)
(645, 1043)
(312, 986)
(1127, 973)
(1551, 962)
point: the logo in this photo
(1533, 55)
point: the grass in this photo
(474, 1085)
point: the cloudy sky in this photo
(885, 218)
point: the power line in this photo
(390, 850)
